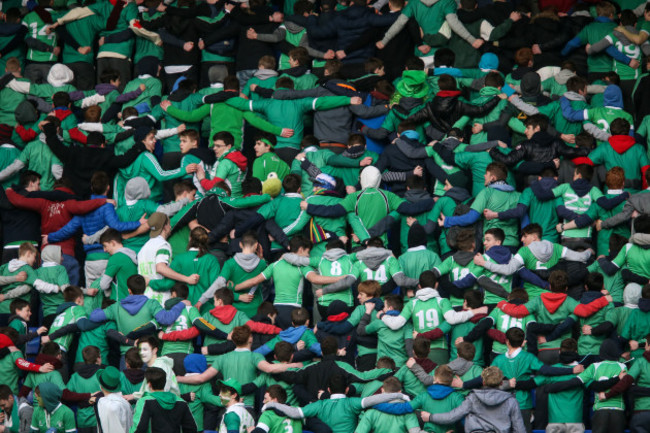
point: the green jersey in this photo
(526, 256)
(85, 416)
(565, 406)
(271, 422)
(36, 29)
(519, 365)
(632, 51)
(269, 163)
(10, 372)
(241, 364)
(340, 414)
(183, 323)
(370, 205)
(635, 258)
(375, 421)
(289, 281)
(232, 271)
(503, 322)
(38, 157)
(640, 371)
(417, 260)
(591, 34)
(602, 117)
(61, 420)
(285, 211)
(119, 268)
(449, 402)
(537, 308)
(428, 313)
(604, 370)
(542, 213)
(56, 274)
(578, 204)
(590, 344)
(334, 264)
(498, 198)
(458, 271)
(382, 273)
(70, 315)
(390, 342)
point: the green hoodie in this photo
(52, 414)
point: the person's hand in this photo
(341, 352)
(246, 298)
(44, 240)
(56, 51)
(46, 368)
(513, 383)
(516, 16)
(365, 161)
(101, 41)
(232, 233)
(634, 64)
(426, 416)
(410, 221)
(476, 128)
(42, 330)
(187, 302)
(201, 44)
(200, 172)
(165, 104)
(558, 227)
(480, 310)
(111, 201)
(204, 350)
(634, 345)
(411, 362)
(490, 214)
(447, 186)
(586, 330)
(635, 213)
(277, 17)
(21, 276)
(432, 143)
(369, 307)
(251, 33)
(84, 50)
(568, 138)
(502, 144)
(50, 29)
(479, 260)
(180, 128)
(319, 293)
(502, 95)
(45, 339)
(300, 345)
(286, 133)
(601, 396)
(192, 396)
(303, 205)
(229, 7)
(329, 54)
(578, 369)
(340, 54)
(478, 43)
(380, 45)
(188, 46)
(541, 339)
(191, 168)
(441, 220)
(418, 171)
(161, 334)
(622, 374)
(92, 400)
(193, 279)
(536, 49)
(349, 189)
(92, 292)
(355, 100)
(162, 7)
(424, 48)
(457, 382)
(143, 219)
(599, 225)
(556, 161)
(458, 341)
(355, 238)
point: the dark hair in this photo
(329, 345)
(576, 84)
(532, 229)
(447, 82)
(90, 354)
(375, 242)
(585, 171)
(99, 183)
(619, 126)
(291, 182)
(498, 169)
(421, 347)
(225, 295)
(494, 79)
(132, 358)
(594, 282)
(465, 240)
(299, 316)
(27, 177)
(152, 340)
(536, 120)
(224, 136)
(428, 279)
(231, 83)
(249, 239)
(496, 233)
(474, 298)
(17, 304)
(569, 345)
(199, 239)
(283, 351)
(415, 63)
(111, 235)
(136, 284)
(515, 337)
(444, 57)
(395, 302)
(276, 391)
(61, 99)
(181, 290)
(559, 281)
(284, 83)
(250, 186)
(5, 392)
(298, 242)
(240, 335)
(156, 377)
(466, 350)
(109, 75)
(72, 293)
(51, 348)
(337, 384)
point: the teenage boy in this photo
(114, 414)
(389, 342)
(270, 421)
(266, 161)
(236, 418)
(86, 379)
(231, 165)
(10, 422)
(50, 412)
(121, 264)
(149, 346)
(298, 332)
(21, 314)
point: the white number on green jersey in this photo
(378, 275)
(428, 319)
(336, 269)
(287, 426)
(511, 322)
(58, 321)
(459, 273)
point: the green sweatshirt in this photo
(81, 384)
(520, 367)
(565, 406)
(391, 343)
(125, 48)
(84, 30)
(55, 274)
(126, 322)
(269, 163)
(146, 166)
(204, 395)
(590, 344)
(425, 402)
(38, 157)
(591, 34)
(418, 259)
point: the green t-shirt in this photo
(334, 268)
(497, 201)
(71, 315)
(503, 322)
(289, 281)
(271, 422)
(565, 406)
(520, 366)
(457, 272)
(241, 365)
(604, 370)
(375, 421)
(340, 414)
(640, 371)
(61, 420)
(427, 315)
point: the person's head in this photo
(291, 183)
(132, 359)
(242, 336)
(93, 114)
(444, 57)
(248, 242)
(515, 338)
(428, 279)
(468, 5)
(129, 112)
(159, 225)
(179, 290)
(264, 143)
(447, 82)
(155, 378)
(355, 139)
(414, 63)
(51, 349)
(6, 399)
(494, 79)
(73, 294)
(619, 126)
(367, 290)
(189, 140)
(466, 350)
(111, 241)
(443, 375)
(386, 362)
(230, 392)
(375, 242)
(222, 142)
(27, 253)
(148, 346)
(109, 380)
(645, 291)
(136, 284)
(395, 5)
(110, 76)
(391, 384)
(606, 9)
(520, 295)
(12, 66)
(300, 245)
(100, 183)
(184, 188)
(577, 84)
(300, 317)
(615, 178)
(531, 233)
(472, 299)
(275, 394)
(642, 223)
(492, 377)
(223, 296)
(466, 241)
(21, 308)
(493, 237)
(393, 303)
(421, 347)
(535, 124)
(594, 282)
(337, 384)
(329, 345)
(283, 351)
(267, 62)
(61, 100)
(199, 241)
(559, 281)
(524, 57)
(373, 65)
(30, 181)
(332, 67)
(583, 171)
(495, 171)
(231, 84)
(299, 57)
(91, 355)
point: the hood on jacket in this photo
(59, 75)
(370, 177)
(136, 189)
(489, 62)
(265, 74)
(204, 154)
(416, 195)
(438, 392)
(239, 159)
(491, 397)
(195, 363)
(293, 27)
(621, 143)
(632, 295)
(460, 366)
(373, 256)
(88, 370)
(50, 395)
(166, 400)
(553, 301)
(644, 305)
(573, 96)
(428, 3)
(581, 187)
(133, 303)
(588, 297)
(531, 84)
(334, 254)
(426, 293)
(499, 254)
(417, 236)
(224, 314)
(406, 105)
(463, 257)
(62, 307)
(613, 97)
(458, 194)
(538, 187)
(413, 84)
(563, 76)
(292, 335)
(609, 350)
(501, 185)
(169, 303)
(130, 254)
(519, 72)
(542, 250)
(51, 253)
(248, 262)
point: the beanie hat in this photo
(413, 84)
(370, 177)
(59, 75)
(336, 307)
(26, 113)
(488, 62)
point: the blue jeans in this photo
(71, 265)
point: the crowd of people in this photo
(331, 216)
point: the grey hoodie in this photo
(248, 262)
(542, 250)
(486, 410)
(138, 189)
(52, 254)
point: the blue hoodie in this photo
(134, 303)
(290, 335)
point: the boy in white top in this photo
(114, 413)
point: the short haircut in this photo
(569, 345)
(291, 182)
(240, 335)
(523, 57)
(559, 281)
(276, 391)
(61, 99)
(576, 84)
(372, 64)
(492, 376)
(99, 183)
(498, 169)
(386, 362)
(519, 294)
(267, 308)
(615, 178)
(72, 293)
(90, 354)
(249, 239)
(284, 83)
(231, 83)
(356, 139)
(329, 345)
(136, 284)
(619, 126)
(414, 63)
(605, 9)
(532, 229)
(300, 55)
(465, 241)
(93, 113)
(12, 64)
(494, 79)
(395, 302)
(224, 136)
(151, 340)
(474, 298)
(182, 186)
(155, 377)
(444, 375)
(283, 351)
(370, 288)
(268, 62)
(111, 235)
(250, 186)
(536, 120)
(27, 177)
(26, 247)
(132, 358)
(421, 347)
(332, 66)
(391, 384)
(5, 392)
(428, 279)
(109, 75)
(337, 384)
(466, 350)
(595, 282)
(447, 82)
(17, 304)
(444, 57)
(225, 295)
(375, 242)
(51, 348)
(585, 171)
(299, 316)
(515, 337)
(181, 290)
(496, 233)
(298, 242)
(191, 134)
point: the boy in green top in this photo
(417, 258)
(265, 77)
(637, 321)
(51, 415)
(236, 419)
(230, 167)
(271, 422)
(52, 272)
(378, 263)
(473, 300)
(86, 380)
(589, 342)
(333, 263)
(21, 313)
(298, 332)
(68, 312)
(373, 420)
(389, 342)
(43, 50)
(122, 263)
(203, 394)
(266, 161)
(289, 280)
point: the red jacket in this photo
(55, 214)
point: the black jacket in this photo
(155, 418)
(446, 108)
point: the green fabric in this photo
(96, 337)
(289, 281)
(85, 416)
(565, 406)
(55, 275)
(126, 322)
(536, 307)
(278, 424)
(519, 367)
(146, 166)
(424, 402)
(120, 267)
(354, 319)
(268, 83)
(604, 370)
(233, 272)
(4, 271)
(62, 419)
(497, 201)
(457, 272)
(183, 323)
(503, 322)
(340, 414)
(382, 274)
(370, 205)
(636, 258)
(10, 101)
(334, 268)
(204, 395)
(240, 365)
(240, 319)
(37, 156)
(531, 262)
(542, 213)
(640, 371)
(444, 206)
(427, 316)
(285, 211)
(269, 163)
(10, 372)
(153, 88)
(590, 344)
(389, 342)
(375, 421)
(84, 30)
(614, 283)
(124, 48)
(70, 315)
(417, 260)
